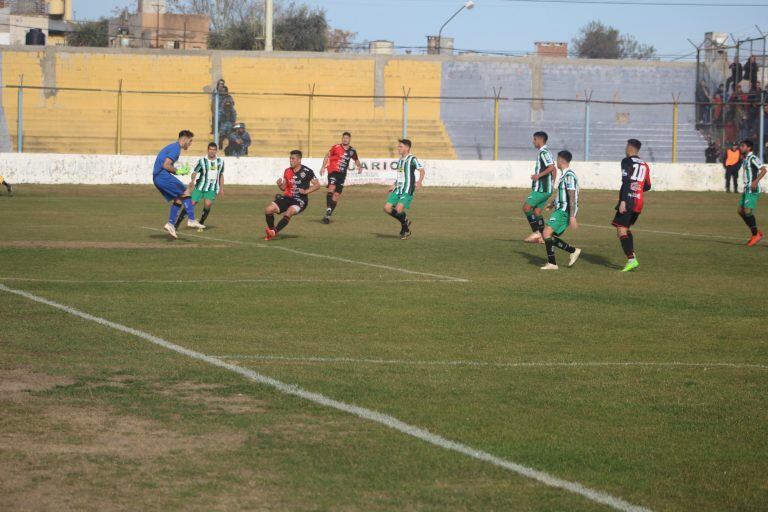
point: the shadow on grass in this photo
(382, 235)
(537, 260)
(597, 259)
(167, 238)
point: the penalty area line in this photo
(325, 256)
(367, 414)
(488, 364)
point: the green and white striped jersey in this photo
(208, 174)
(751, 166)
(406, 174)
(568, 181)
(543, 161)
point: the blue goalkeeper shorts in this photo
(169, 185)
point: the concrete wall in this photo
(103, 169)
(79, 122)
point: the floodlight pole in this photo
(467, 5)
(269, 16)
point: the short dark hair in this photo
(407, 142)
(297, 153)
(734, 143)
(542, 135)
(748, 143)
(565, 155)
(213, 145)
(635, 144)
(186, 133)
(346, 134)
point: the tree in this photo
(90, 33)
(598, 41)
(299, 28)
(239, 25)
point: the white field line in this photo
(484, 364)
(362, 412)
(325, 256)
(206, 281)
(674, 233)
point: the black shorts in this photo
(625, 220)
(338, 179)
(283, 203)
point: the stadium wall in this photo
(113, 170)
(62, 121)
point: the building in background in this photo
(154, 27)
(48, 18)
(551, 49)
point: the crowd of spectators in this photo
(731, 111)
(237, 138)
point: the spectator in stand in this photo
(732, 163)
(703, 102)
(750, 72)
(737, 74)
(227, 118)
(717, 110)
(239, 141)
(220, 86)
(753, 111)
(711, 153)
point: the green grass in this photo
(96, 419)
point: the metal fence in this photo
(496, 126)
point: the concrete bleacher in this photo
(470, 124)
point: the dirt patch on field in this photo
(19, 380)
(207, 395)
(65, 244)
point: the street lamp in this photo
(468, 5)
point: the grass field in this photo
(651, 387)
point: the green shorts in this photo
(403, 199)
(749, 200)
(559, 222)
(537, 199)
(198, 195)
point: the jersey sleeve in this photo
(546, 159)
(570, 183)
(627, 168)
(647, 184)
(174, 153)
(199, 167)
(354, 155)
(416, 164)
(221, 166)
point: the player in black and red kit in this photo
(635, 181)
(337, 161)
(297, 183)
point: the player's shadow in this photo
(382, 235)
(166, 238)
(537, 260)
(597, 259)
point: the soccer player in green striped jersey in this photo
(754, 170)
(542, 179)
(401, 192)
(565, 206)
(207, 182)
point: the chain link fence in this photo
(125, 121)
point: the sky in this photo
(504, 25)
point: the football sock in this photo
(7, 186)
(174, 214)
(752, 223)
(533, 221)
(402, 218)
(283, 222)
(189, 207)
(626, 245)
(329, 200)
(540, 224)
(180, 216)
(270, 221)
(550, 251)
(206, 211)
(559, 242)
(334, 204)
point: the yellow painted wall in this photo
(86, 122)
